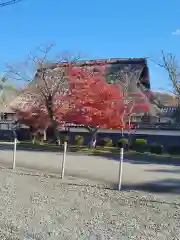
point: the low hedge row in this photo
(139, 145)
(156, 148)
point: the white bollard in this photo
(64, 160)
(120, 168)
(14, 154)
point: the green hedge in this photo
(174, 150)
(156, 148)
(79, 140)
(140, 145)
(107, 142)
(123, 142)
(64, 138)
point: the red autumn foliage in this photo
(34, 117)
(96, 103)
(90, 101)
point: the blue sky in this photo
(98, 29)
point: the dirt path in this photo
(99, 169)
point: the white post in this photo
(14, 154)
(64, 160)
(120, 168)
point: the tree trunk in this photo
(122, 122)
(93, 137)
(122, 132)
(53, 121)
(41, 139)
(129, 135)
(44, 135)
(34, 138)
(55, 131)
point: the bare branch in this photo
(170, 64)
(46, 79)
(4, 3)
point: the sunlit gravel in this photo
(42, 207)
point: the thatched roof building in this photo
(116, 68)
(135, 68)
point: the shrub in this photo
(107, 142)
(123, 142)
(115, 144)
(156, 148)
(140, 145)
(141, 141)
(79, 140)
(174, 150)
(64, 138)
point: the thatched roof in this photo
(135, 68)
(117, 67)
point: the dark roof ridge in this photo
(99, 61)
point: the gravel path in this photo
(44, 207)
(99, 169)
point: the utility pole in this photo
(4, 3)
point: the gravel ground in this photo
(44, 207)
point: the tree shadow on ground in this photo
(138, 158)
(175, 171)
(171, 186)
(168, 186)
(31, 149)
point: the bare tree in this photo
(132, 96)
(136, 101)
(171, 65)
(44, 78)
(4, 3)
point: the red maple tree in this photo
(90, 101)
(36, 118)
(97, 104)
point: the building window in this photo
(4, 116)
(4, 126)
